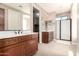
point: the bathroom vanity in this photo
(14, 37)
(21, 45)
(47, 37)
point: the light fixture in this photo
(37, 14)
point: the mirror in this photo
(14, 16)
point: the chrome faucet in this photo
(18, 32)
(15, 32)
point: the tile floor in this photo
(57, 48)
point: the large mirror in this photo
(14, 16)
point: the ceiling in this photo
(48, 7)
(24, 7)
(56, 7)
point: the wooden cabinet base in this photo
(19, 46)
(47, 37)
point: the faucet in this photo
(19, 31)
(15, 32)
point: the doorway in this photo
(63, 28)
(36, 21)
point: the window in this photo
(62, 18)
(26, 22)
(58, 18)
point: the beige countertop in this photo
(9, 35)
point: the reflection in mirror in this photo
(2, 19)
(14, 16)
(26, 22)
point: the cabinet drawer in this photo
(11, 41)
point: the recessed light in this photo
(20, 6)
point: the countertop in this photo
(9, 35)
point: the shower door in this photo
(65, 29)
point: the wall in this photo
(65, 14)
(57, 31)
(51, 21)
(77, 52)
(78, 22)
(74, 22)
(43, 21)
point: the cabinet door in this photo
(32, 46)
(10, 41)
(23, 49)
(14, 50)
(35, 41)
(45, 37)
(26, 48)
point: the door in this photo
(65, 29)
(36, 21)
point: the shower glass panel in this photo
(65, 29)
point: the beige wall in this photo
(78, 22)
(65, 14)
(74, 22)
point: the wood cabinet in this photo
(20, 46)
(47, 37)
